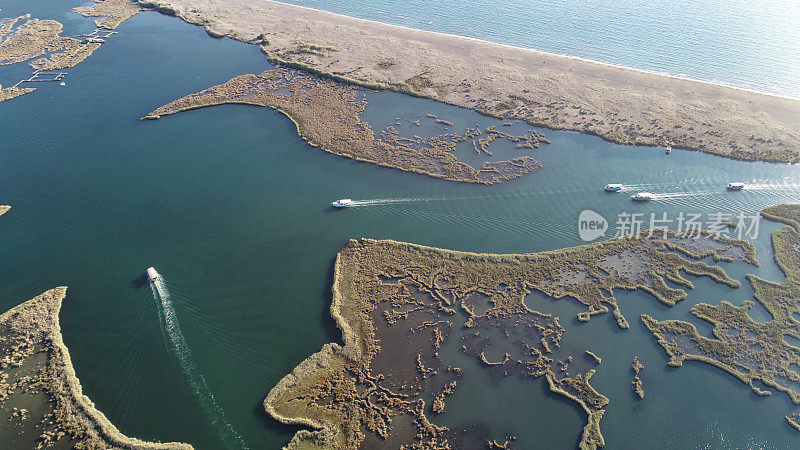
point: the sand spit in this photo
(112, 12)
(398, 305)
(4, 209)
(327, 115)
(41, 400)
(745, 348)
(618, 104)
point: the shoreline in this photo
(366, 277)
(560, 55)
(619, 104)
(33, 328)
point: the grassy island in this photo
(111, 12)
(398, 305)
(745, 348)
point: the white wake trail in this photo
(390, 201)
(173, 337)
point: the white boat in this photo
(669, 149)
(343, 203)
(642, 196)
(614, 187)
(152, 275)
(735, 186)
(62, 84)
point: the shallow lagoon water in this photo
(231, 207)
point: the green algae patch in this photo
(399, 304)
(327, 115)
(749, 350)
(41, 400)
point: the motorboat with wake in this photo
(343, 203)
(152, 275)
(642, 196)
(735, 186)
(614, 187)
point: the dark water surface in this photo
(231, 207)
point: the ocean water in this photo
(753, 45)
(232, 208)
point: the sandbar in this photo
(622, 105)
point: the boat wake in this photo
(772, 186)
(176, 343)
(390, 201)
(677, 195)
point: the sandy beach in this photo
(618, 104)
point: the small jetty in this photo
(43, 77)
(99, 33)
(97, 36)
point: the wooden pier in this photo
(42, 77)
(100, 33)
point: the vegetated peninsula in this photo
(751, 351)
(327, 115)
(404, 309)
(618, 104)
(41, 401)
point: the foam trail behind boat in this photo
(173, 337)
(389, 201)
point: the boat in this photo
(343, 203)
(614, 187)
(735, 186)
(62, 84)
(642, 196)
(669, 150)
(152, 275)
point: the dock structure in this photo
(100, 33)
(42, 77)
(98, 36)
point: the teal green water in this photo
(231, 207)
